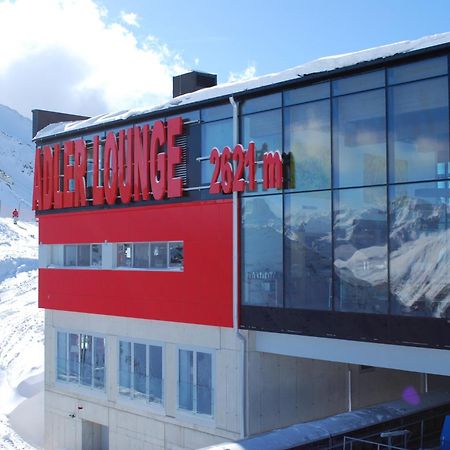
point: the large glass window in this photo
(262, 250)
(420, 249)
(195, 381)
(359, 139)
(141, 371)
(80, 359)
(82, 255)
(308, 250)
(307, 141)
(418, 130)
(360, 250)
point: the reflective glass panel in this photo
(308, 250)
(141, 255)
(124, 367)
(418, 70)
(74, 362)
(176, 254)
(61, 356)
(307, 94)
(70, 255)
(360, 253)
(99, 362)
(215, 134)
(359, 139)
(418, 130)
(217, 112)
(420, 249)
(158, 255)
(84, 255)
(204, 383)
(186, 380)
(262, 251)
(86, 359)
(140, 370)
(261, 103)
(155, 374)
(265, 130)
(96, 255)
(357, 83)
(124, 255)
(308, 144)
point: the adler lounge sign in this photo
(138, 164)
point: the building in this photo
(190, 300)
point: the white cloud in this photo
(129, 18)
(65, 55)
(248, 73)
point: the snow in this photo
(317, 66)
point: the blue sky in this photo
(272, 35)
(95, 56)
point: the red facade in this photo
(200, 294)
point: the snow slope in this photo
(22, 323)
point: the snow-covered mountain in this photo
(22, 330)
(16, 163)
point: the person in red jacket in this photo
(15, 215)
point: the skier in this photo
(15, 216)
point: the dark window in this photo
(420, 249)
(262, 250)
(360, 254)
(308, 248)
(271, 101)
(84, 255)
(70, 255)
(359, 139)
(307, 142)
(418, 130)
(176, 258)
(141, 255)
(217, 112)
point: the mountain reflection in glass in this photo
(360, 250)
(307, 250)
(262, 250)
(420, 249)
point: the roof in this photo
(317, 66)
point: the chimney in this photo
(42, 118)
(192, 81)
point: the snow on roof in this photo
(317, 66)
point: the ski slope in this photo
(21, 338)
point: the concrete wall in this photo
(134, 424)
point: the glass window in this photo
(217, 112)
(140, 370)
(262, 250)
(418, 130)
(124, 255)
(176, 255)
(141, 255)
(186, 380)
(158, 255)
(96, 255)
(204, 383)
(420, 249)
(308, 250)
(252, 105)
(357, 83)
(307, 94)
(125, 359)
(359, 139)
(265, 130)
(70, 255)
(215, 134)
(196, 397)
(360, 252)
(418, 70)
(84, 255)
(81, 359)
(307, 142)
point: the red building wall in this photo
(200, 294)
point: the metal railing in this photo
(365, 444)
